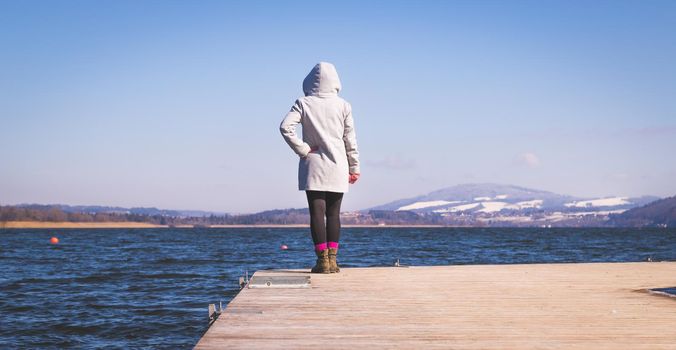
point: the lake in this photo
(149, 288)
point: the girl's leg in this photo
(316, 201)
(333, 201)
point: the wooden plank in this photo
(534, 306)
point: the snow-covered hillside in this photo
(422, 205)
(511, 203)
(600, 202)
(484, 204)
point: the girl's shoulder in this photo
(314, 100)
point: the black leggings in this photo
(322, 203)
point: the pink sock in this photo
(333, 245)
(321, 246)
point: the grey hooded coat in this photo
(328, 127)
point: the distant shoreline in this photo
(51, 224)
(126, 224)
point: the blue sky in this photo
(176, 104)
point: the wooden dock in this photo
(534, 306)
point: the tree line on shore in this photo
(45, 213)
(56, 214)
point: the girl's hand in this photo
(312, 150)
(353, 178)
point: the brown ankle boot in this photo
(322, 265)
(333, 264)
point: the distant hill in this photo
(467, 194)
(491, 198)
(660, 213)
(488, 204)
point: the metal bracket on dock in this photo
(279, 282)
(214, 313)
(396, 263)
(243, 281)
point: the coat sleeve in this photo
(288, 130)
(350, 139)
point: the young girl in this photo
(329, 159)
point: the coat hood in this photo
(322, 81)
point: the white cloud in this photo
(528, 159)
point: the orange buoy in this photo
(283, 247)
(54, 240)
